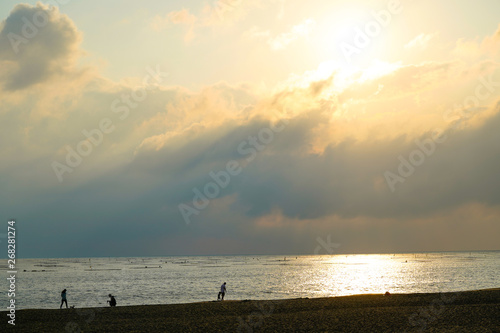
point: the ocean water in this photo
(165, 280)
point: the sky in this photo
(213, 127)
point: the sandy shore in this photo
(472, 311)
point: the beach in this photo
(468, 311)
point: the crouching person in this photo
(112, 300)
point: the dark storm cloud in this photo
(348, 178)
(141, 199)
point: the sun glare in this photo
(344, 76)
(377, 69)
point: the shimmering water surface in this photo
(162, 280)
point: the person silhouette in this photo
(63, 299)
(112, 300)
(222, 292)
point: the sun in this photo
(337, 24)
(355, 34)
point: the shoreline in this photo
(463, 311)
(268, 300)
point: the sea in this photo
(167, 280)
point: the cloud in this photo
(421, 41)
(225, 12)
(219, 14)
(222, 12)
(300, 30)
(282, 40)
(473, 48)
(37, 43)
(183, 17)
(345, 177)
(491, 44)
(441, 231)
(255, 32)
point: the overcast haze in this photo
(249, 127)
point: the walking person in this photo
(63, 299)
(222, 292)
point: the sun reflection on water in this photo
(356, 274)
